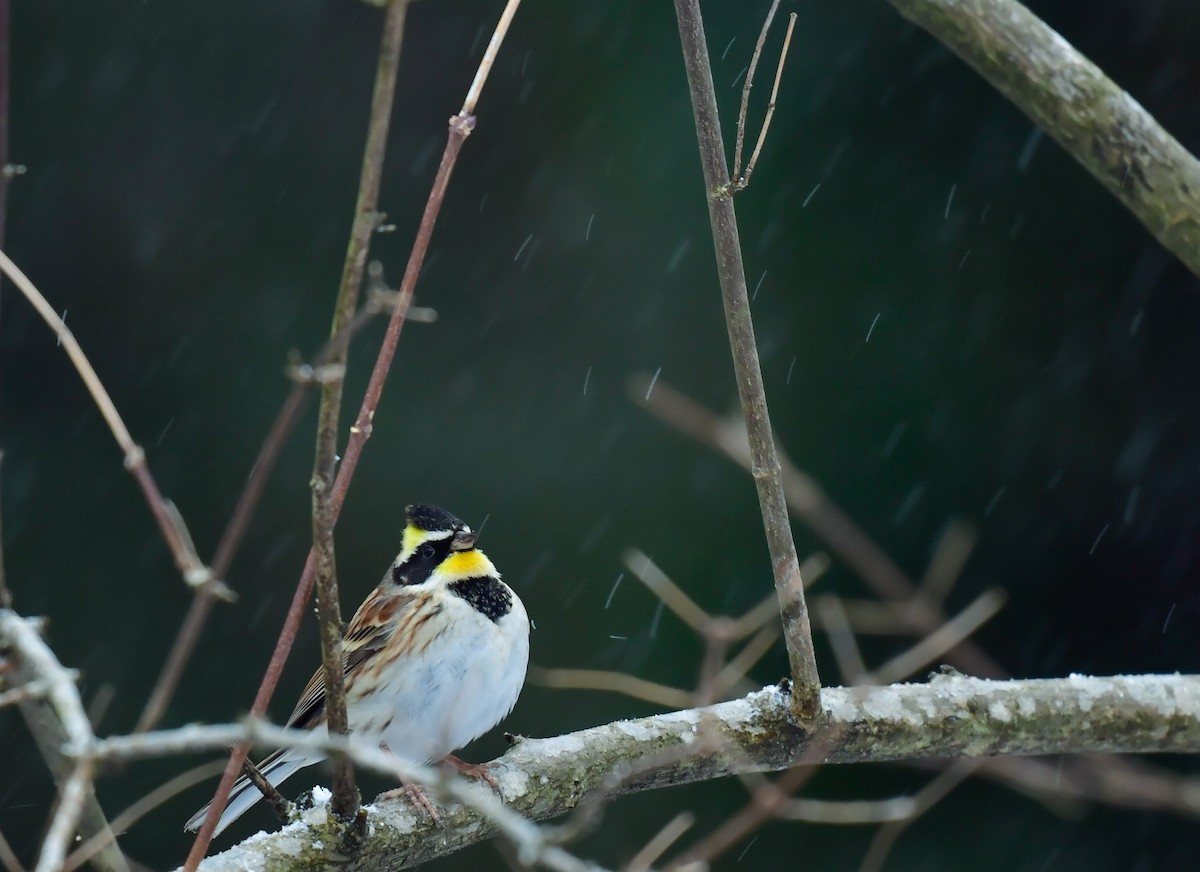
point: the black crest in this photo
(432, 519)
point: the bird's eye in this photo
(428, 551)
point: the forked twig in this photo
(718, 678)
(747, 85)
(366, 220)
(744, 180)
(785, 565)
(763, 805)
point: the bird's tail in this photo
(245, 794)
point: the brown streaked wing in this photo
(365, 636)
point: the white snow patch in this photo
(570, 745)
(321, 795)
(886, 704)
(516, 782)
(999, 712)
(635, 730)
(1026, 707)
(839, 705)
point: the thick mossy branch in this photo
(1069, 97)
(951, 716)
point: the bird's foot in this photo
(416, 796)
(478, 771)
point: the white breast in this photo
(463, 684)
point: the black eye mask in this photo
(417, 568)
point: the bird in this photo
(434, 658)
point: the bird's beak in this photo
(464, 540)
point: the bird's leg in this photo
(478, 771)
(414, 793)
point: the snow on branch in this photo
(950, 716)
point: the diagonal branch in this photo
(1069, 97)
(784, 562)
(170, 524)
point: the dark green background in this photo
(192, 170)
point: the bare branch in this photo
(684, 607)
(951, 555)
(489, 57)
(831, 615)
(460, 127)
(929, 796)
(615, 682)
(1069, 97)
(950, 716)
(941, 640)
(824, 517)
(663, 839)
(73, 796)
(195, 573)
(744, 180)
(8, 857)
(239, 521)
(785, 565)
(57, 719)
(747, 85)
(324, 516)
(139, 809)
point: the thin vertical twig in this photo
(747, 85)
(366, 220)
(239, 522)
(766, 469)
(460, 126)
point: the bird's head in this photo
(436, 540)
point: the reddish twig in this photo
(460, 127)
(239, 521)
